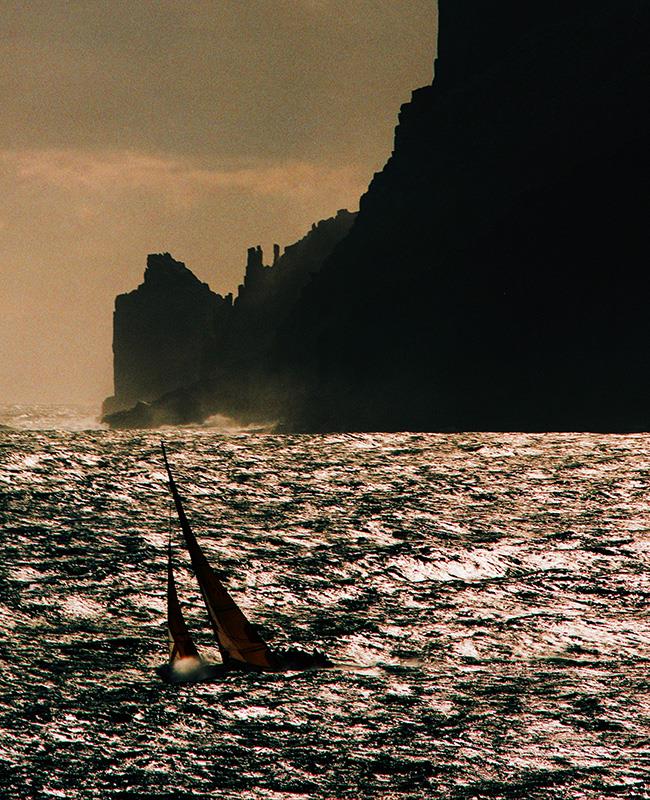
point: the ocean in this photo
(484, 598)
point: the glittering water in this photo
(486, 597)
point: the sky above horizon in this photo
(199, 127)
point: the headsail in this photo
(180, 640)
(238, 640)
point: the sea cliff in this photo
(182, 352)
(165, 333)
(496, 275)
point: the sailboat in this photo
(240, 645)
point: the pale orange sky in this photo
(198, 127)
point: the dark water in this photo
(486, 597)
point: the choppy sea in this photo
(484, 597)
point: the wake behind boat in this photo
(240, 645)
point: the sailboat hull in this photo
(294, 659)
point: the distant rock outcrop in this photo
(165, 333)
(245, 380)
(182, 352)
(497, 275)
(269, 293)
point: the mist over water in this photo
(485, 597)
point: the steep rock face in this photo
(496, 277)
(245, 379)
(270, 292)
(165, 332)
(188, 353)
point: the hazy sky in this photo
(198, 127)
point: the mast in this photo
(237, 639)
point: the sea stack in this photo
(164, 333)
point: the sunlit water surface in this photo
(485, 598)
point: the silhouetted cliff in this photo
(497, 274)
(164, 332)
(182, 352)
(270, 292)
(245, 380)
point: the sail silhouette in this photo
(239, 643)
(181, 644)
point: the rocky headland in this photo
(182, 353)
(496, 277)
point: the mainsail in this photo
(239, 642)
(180, 640)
